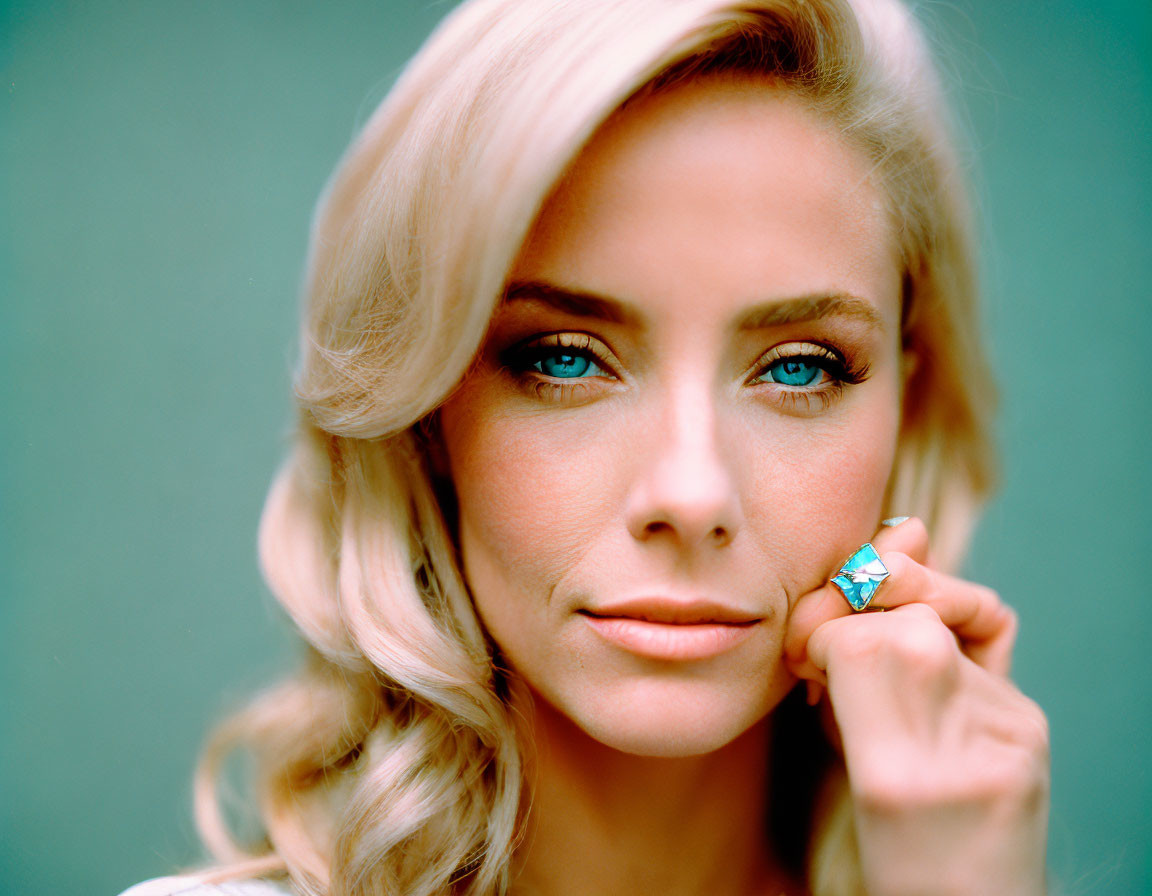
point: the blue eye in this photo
(565, 365)
(793, 372)
(579, 361)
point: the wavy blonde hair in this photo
(396, 760)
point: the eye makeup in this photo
(806, 377)
(566, 367)
(800, 377)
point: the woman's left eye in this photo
(803, 365)
(806, 378)
(795, 371)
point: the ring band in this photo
(860, 577)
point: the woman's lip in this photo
(670, 641)
(673, 612)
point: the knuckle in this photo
(1012, 779)
(866, 643)
(1016, 768)
(911, 639)
(1011, 622)
(925, 646)
(897, 559)
(1016, 775)
(1005, 770)
(916, 528)
(884, 790)
(1034, 732)
(897, 562)
(988, 595)
(922, 615)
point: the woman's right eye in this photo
(562, 356)
(561, 367)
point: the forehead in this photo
(726, 188)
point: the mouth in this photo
(668, 630)
(672, 612)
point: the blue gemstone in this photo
(859, 578)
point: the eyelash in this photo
(840, 370)
(520, 359)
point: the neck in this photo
(605, 822)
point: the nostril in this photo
(719, 535)
(656, 527)
(670, 503)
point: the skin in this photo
(674, 466)
(947, 760)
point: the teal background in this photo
(158, 166)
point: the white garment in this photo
(193, 886)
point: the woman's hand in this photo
(947, 761)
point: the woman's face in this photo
(684, 416)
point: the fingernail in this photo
(895, 521)
(815, 692)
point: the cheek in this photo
(817, 493)
(528, 502)
(537, 493)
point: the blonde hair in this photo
(395, 761)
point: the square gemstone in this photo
(859, 578)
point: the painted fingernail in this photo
(895, 521)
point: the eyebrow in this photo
(800, 309)
(811, 307)
(580, 304)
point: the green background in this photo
(158, 166)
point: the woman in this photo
(627, 323)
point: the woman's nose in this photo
(684, 490)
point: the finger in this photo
(979, 618)
(810, 612)
(900, 673)
(862, 638)
(974, 612)
(995, 654)
(908, 535)
(888, 672)
(985, 626)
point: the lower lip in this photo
(667, 641)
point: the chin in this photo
(666, 743)
(674, 720)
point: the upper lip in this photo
(675, 612)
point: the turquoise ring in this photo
(860, 577)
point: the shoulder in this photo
(192, 886)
